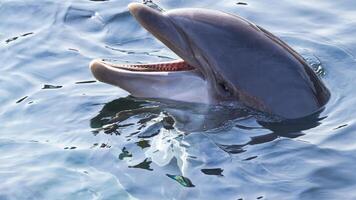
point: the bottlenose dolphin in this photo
(225, 58)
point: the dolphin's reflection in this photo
(190, 117)
(112, 109)
(150, 118)
(186, 117)
(285, 129)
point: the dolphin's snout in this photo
(141, 11)
(94, 63)
(98, 70)
(134, 8)
(148, 17)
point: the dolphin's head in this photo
(224, 58)
(189, 79)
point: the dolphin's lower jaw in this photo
(174, 80)
(114, 74)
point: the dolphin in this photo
(224, 59)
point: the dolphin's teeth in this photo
(176, 65)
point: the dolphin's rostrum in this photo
(225, 58)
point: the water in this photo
(65, 136)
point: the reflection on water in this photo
(215, 171)
(181, 180)
(153, 127)
(17, 37)
(147, 119)
(64, 134)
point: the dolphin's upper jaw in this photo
(160, 25)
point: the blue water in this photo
(65, 136)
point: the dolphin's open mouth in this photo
(171, 66)
(180, 80)
(159, 25)
(163, 29)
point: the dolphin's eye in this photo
(224, 87)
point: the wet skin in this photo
(225, 59)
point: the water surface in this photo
(65, 136)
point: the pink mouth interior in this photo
(176, 65)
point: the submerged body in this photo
(224, 59)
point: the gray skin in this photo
(234, 60)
